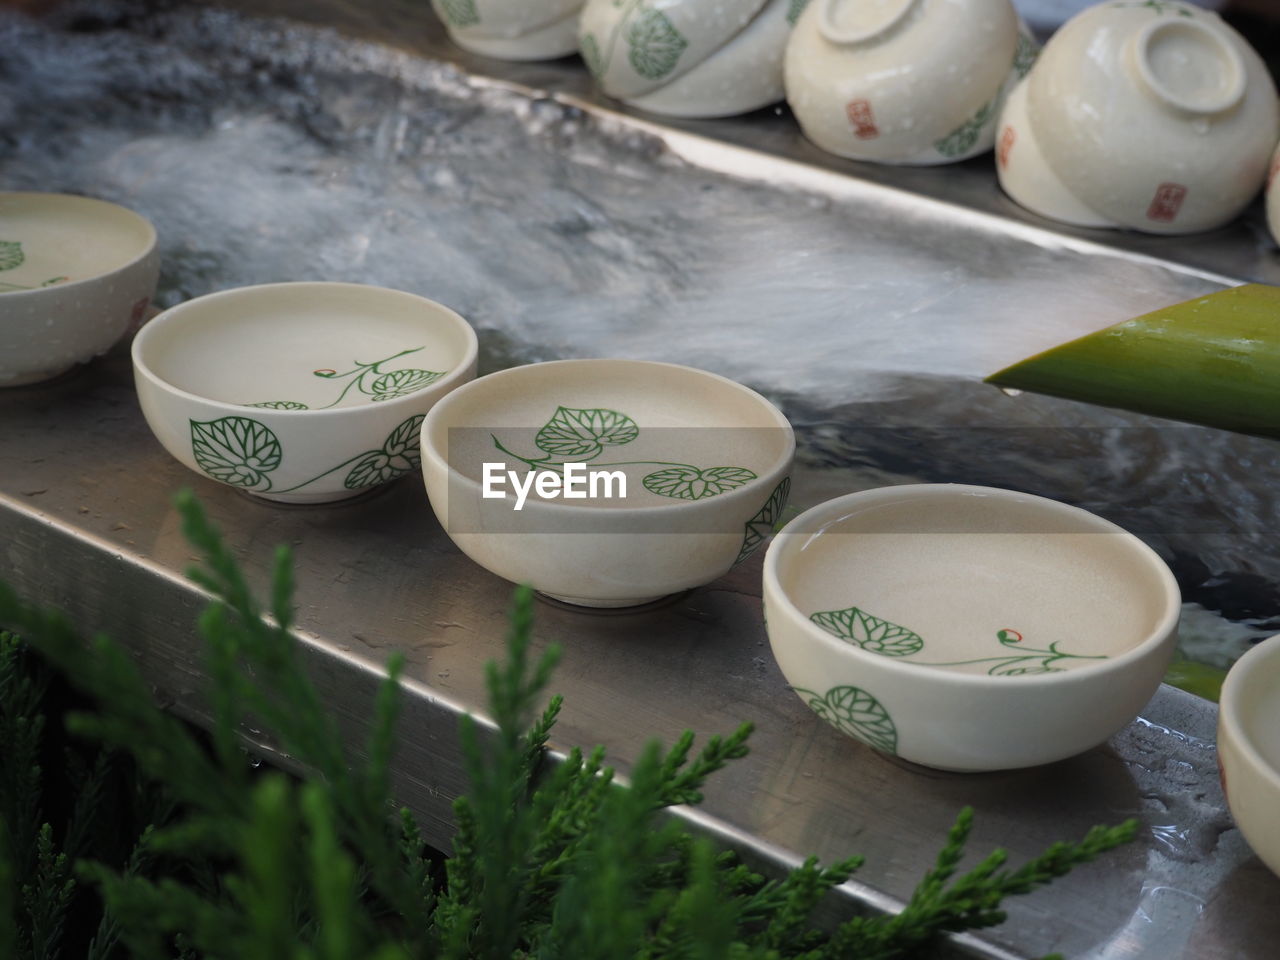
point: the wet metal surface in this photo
(264, 151)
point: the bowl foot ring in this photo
(608, 608)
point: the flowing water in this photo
(266, 152)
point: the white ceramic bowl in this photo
(638, 46)
(705, 462)
(904, 81)
(1156, 116)
(512, 29)
(968, 628)
(741, 75)
(1249, 748)
(74, 274)
(299, 392)
(1027, 176)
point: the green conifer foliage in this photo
(550, 861)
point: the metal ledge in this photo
(86, 524)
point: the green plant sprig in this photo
(549, 860)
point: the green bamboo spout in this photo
(1214, 360)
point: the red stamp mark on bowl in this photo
(138, 311)
(1007, 138)
(1167, 202)
(1275, 168)
(863, 119)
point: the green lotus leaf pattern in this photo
(870, 633)
(655, 44)
(403, 441)
(371, 469)
(235, 450)
(279, 405)
(11, 254)
(690, 483)
(794, 11)
(459, 13)
(401, 383)
(854, 711)
(399, 455)
(583, 432)
(759, 527)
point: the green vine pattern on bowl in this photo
(853, 711)
(580, 434)
(654, 45)
(1161, 7)
(244, 452)
(795, 9)
(1025, 55)
(12, 257)
(961, 140)
(1027, 661)
(759, 527)
(369, 379)
(874, 635)
(459, 13)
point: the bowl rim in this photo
(780, 466)
(148, 250)
(1229, 720)
(174, 314)
(837, 507)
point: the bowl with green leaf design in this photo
(912, 82)
(525, 30)
(689, 58)
(968, 628)
(75, 274)
(299, 392)
(607, 483)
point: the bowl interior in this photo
(1255, 702)
(48, 239)
(305, 346)
(677, 434)
(976, 581)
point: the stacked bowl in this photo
(905, 81)
(507, 30)
(689, 58)
(1157, 117)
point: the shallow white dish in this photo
(968, 628)
(1249, 748)
(75, 273)
(1156, 116)
(299, 392)
(705, 462)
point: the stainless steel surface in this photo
(265, 151)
